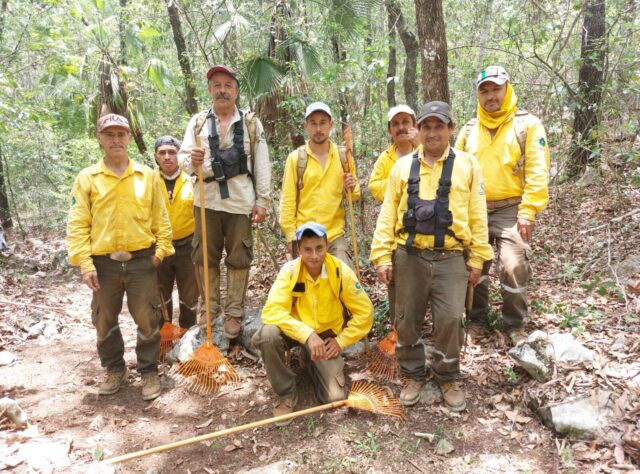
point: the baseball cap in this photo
(112, 120)
(222, 68)
(317, 229)
(496, 74)
(399, 109)
(167, 140)
(318, 107)
(437, 109)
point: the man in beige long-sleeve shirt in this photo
(235, 161)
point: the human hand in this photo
(385, 273)
(332, 348)
(91, 280)
(474, 275)
(316, 347)
(289, 253)
(525, 228)
(258, 214)
(349, 182)
(155, 261)
(197, 156)
(412, 135)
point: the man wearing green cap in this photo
(511, 147)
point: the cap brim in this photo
(495, 80)
(115, 125)
(318, 110)
(440, 117)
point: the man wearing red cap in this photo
(235, 161)
(118, 233)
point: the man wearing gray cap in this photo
(178, 268)
(118, 233)
(234, 157)
(433, 211)
(511, 147)
(316, 176)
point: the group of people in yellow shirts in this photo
(131, 229)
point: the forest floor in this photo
(578, 287)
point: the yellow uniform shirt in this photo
(466, 203)
(499, 156)
(320, 307)
(110, 213)
(380, 173)
(180, 208)
(321, 196)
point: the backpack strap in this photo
(214, 148)
(413, 189)
(250, 120)
(301, 167)
(520, 127)
(442, 202)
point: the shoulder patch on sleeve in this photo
(358, 286)
(73, 201)
(542, 142)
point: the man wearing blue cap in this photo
(178, 268)
(305, 308)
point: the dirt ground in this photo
(56, 373)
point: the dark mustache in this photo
(223, 95)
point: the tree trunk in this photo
(5, 213)
(339, 55)
(190, 102)
(590, 82)
(484, 30)
(433, 48)
(392, 67)
(410, 44)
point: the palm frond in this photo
(262, 75)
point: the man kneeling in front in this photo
(305, 307)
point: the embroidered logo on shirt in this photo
(73, 200)
(358, 286)
(543, 142)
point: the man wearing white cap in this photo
(316, 176)
(235, 161)
(305, 307)
(401, 124)
(511, 147)
(118, 233)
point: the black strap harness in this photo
(429, 217)
(228, 163)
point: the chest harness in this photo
(429, 217)
(229, 163)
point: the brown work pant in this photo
(179, 268)
(138, 279)
(439, 278)
(327, 375)
(231, 233)
(514, 270)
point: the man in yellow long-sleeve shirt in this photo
(430, 225)
(118, 232)
(511, 147)
(178, 198)
(305, 307)
(314, 184)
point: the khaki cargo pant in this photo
(179, 268)
(327, 375)
(231, 233)
(514, 270)
(441, 280)
(137, 278)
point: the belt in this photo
(123, 256)
(184, 241)
(491, 205)
(431, 254)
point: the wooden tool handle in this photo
(228, 431)
(469, 299)
(203, 240)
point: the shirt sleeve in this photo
(384, 235)
(277, 310)
(79, 225)
(356, 300)
(536, 172)
(160, 224)
(288, 198)
(378, 179)
(461, 141)
(479, 248)
(261, 167)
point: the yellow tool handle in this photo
(469, 299)
(228, 431)
(203, 240)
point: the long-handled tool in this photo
(207, 369)
(363, 396)
(169, 333)
(346, 135)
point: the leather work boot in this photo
(410, 394)
(453, 395)
(150, 386)
(285, 405)
(232, 327)
(113, 382)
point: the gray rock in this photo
(280, 467)
(564, 348)
(430, 393)
(97, 423)
(444, 447)
(628, 267)
(7, 358)
(531, 356)
(9, 408)
(102, 468)
(251, 322)
(620, 343)
(354, 350)
(586, 417)
(46, 328)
